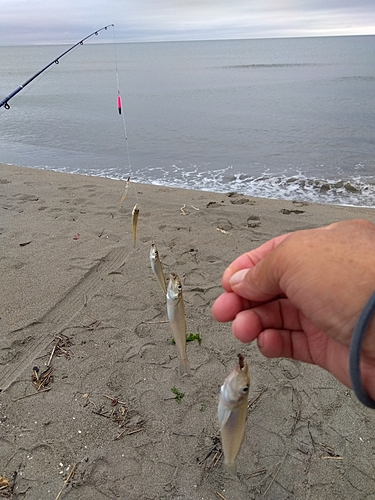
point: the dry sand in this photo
(74, 287)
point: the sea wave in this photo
(349, 192)
(354, 191)
(274, 65)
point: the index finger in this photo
(250, 259)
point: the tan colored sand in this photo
(69, 271)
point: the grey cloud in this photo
(42, 21)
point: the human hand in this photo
(300, 296)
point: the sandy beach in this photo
(87, 365)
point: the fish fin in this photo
(231, 468)
(185, 367)
(223, 414)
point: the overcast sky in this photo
(67, 21)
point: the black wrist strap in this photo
(355, 352)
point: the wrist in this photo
(362, 383)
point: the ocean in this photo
(277, 118)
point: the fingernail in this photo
(238, 277)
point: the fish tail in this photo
(185, 367)
(231, 468)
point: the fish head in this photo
(154, 252)
(236, 386)
(136, 209)
(174, 289)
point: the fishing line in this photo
(119, 103)
(122, 113)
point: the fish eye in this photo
(245, 389)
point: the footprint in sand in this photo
(26, 197)
(192, 253)
(253, 221)
(224, 225)
(194, 278)
(240, 199)
(286, 211)
(289, 369)
(143, 330)
(213, 204)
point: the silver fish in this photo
(135, 214)
(157, 268)
(232, 412)
(176, 316)
(126, 190)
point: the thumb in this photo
(259, 283)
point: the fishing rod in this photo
(4, 102)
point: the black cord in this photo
(355, 352)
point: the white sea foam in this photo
(353, 191)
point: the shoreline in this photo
(72, 278)
(324, 187)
